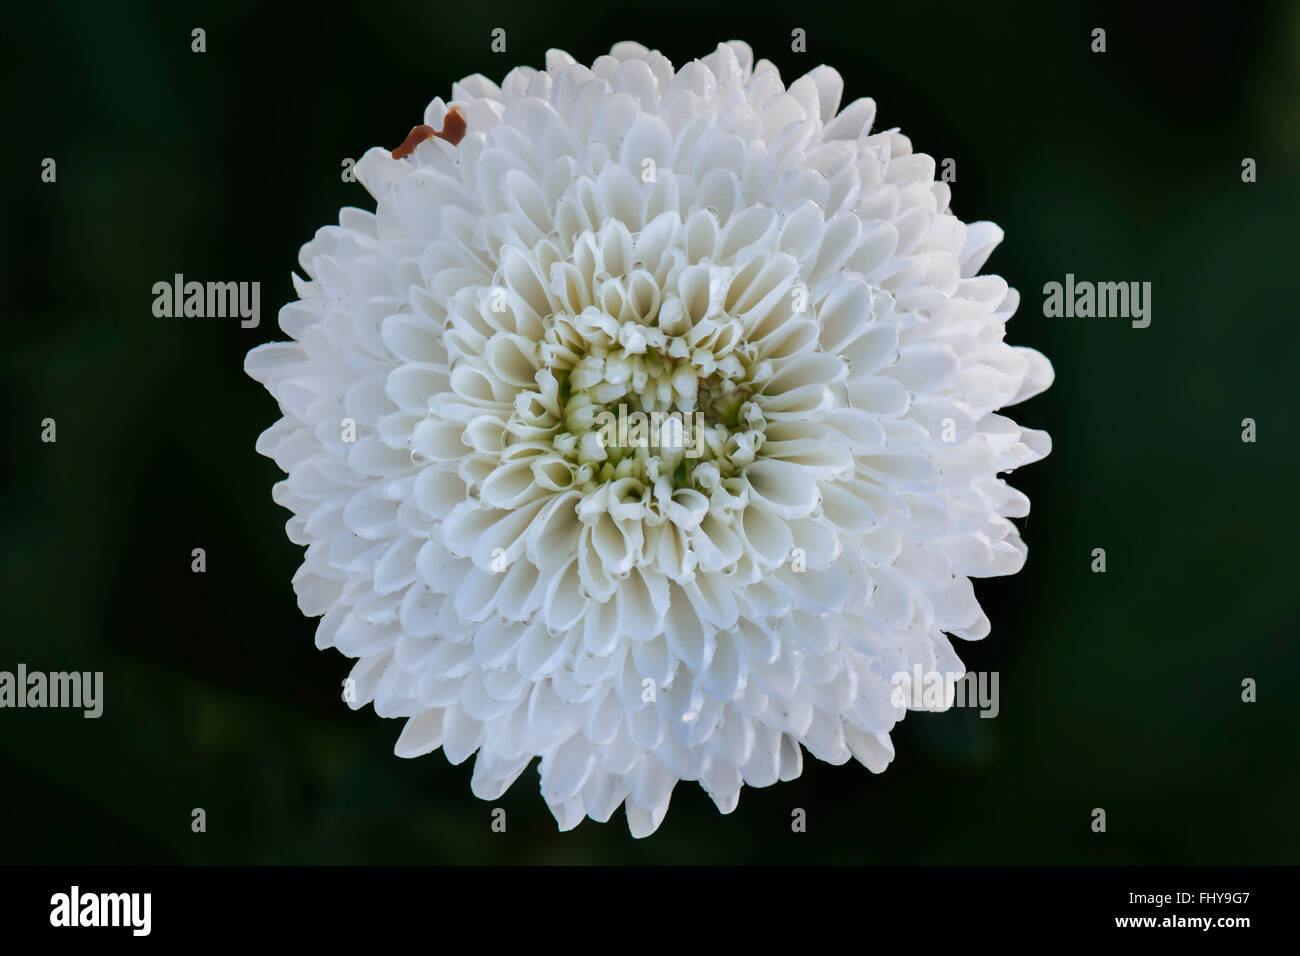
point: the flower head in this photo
(648, 427)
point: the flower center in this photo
(644, 402)
(641, 372)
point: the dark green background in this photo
(1119, 690)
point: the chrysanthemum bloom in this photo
(517, 581)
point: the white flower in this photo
(519, 580)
